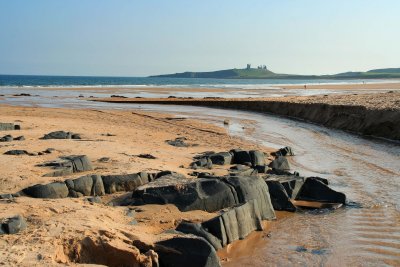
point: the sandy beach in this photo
(56, 226)
(73, 230)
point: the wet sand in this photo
(356, 86)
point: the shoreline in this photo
(384, 85)
(376, 115)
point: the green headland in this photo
(262, 72)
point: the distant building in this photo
(248, 66)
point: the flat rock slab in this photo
(16, 152)
(52, 190)
(208, 194)
(61, 135)
(199, 194)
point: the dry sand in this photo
(57, 226)
(355, 86)
(376, 101)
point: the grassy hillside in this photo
(267, 74)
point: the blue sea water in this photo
(87, 81)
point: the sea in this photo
(26, 81)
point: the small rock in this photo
(280, 164)
(118, 96)
(49, 150)
(13, 225)
(19, 138)
(6, 138)
(95, 199)
(178, 142)
(226, 122)
(16, 152)
(104, 159)
(146, 156)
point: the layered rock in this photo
(233, 224)
(208, 194)
(5, 126)
(68, 165)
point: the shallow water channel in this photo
(366, 233)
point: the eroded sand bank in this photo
(368, 114)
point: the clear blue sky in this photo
(143, 37)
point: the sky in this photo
(145, 37)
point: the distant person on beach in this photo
(305, 86)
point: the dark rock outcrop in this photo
(200, 194)
(16, 152)
(291, 183)
(68, 165)
(12, 225)
(52, 190)
(61, 135)
(285, 151)
(280, 164)
(5, 126)
(207, 194)
(279, 197)
(241, 157)
(124, 182)
(315, 190)
(6, 138)
(233, 224)
(19, 138)
(257, 158)
(90, 185)
(198, 229)
(186, 250)
(221, 158)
